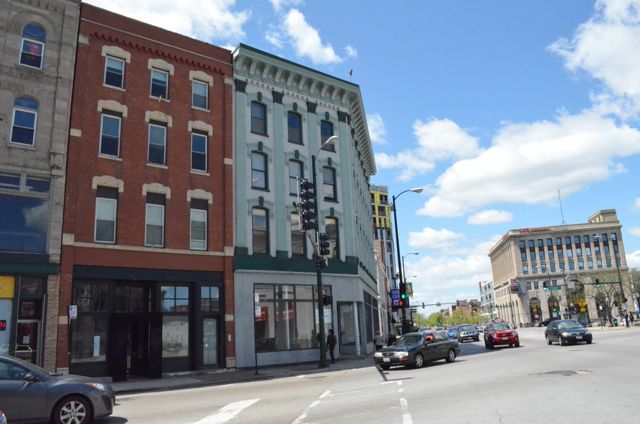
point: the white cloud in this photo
(633, 259)
(438, 139)
(377, 131)
(636, 204)
(432, 238)
(279, 4)
(490, 216)
(351, 52)
(206, 20)
(306, 39)
(274, 38)
(528, 162)
(635, 231)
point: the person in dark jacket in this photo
(331, 345)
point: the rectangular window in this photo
(114, 72)
(329, 183)
(580, 264)
(295, 173)
(326, 131)
(562, 266)
(298, 237)
(585, 239)
(579, 252)
(331, 230)
(157, 144)
(199, 144)
(260, 231)
(200, 94)
(590, 263)
(558, 241)
(553, 267)
(531, 244)
(294, 121)
(608, 260)
(569, 253)
(599, 263)
(175, 336)
(259, 171)
(106, 213)
(174, 299)
(198, 224)
(576, 240)
(23, 130)
(154, 222)
(258, 118)
(522, 245)
(209, 299)
(110, 135)
(31, 53)
(572, 266)
(159, 84)
(588, 250)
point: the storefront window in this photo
(175, 299)
(91, 297)
(175, 336)
(209, 299)
(89, 338)
(24, 223)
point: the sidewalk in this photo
(230, 376)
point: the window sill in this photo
(154, 246)
(260, 189)
(160, 99)
(260, 134)
(113, 87)
(105, 242)
(34, 68)
(116, 158)
(157, 165)
(203, 173)
(200, 109)
(23, 146)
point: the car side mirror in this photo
(30, 377)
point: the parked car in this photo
(480, 327)
(30, 394)
(567, 331)
(416, 349)
(468, 332)
(452, 332)
(500, 333)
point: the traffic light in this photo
(307, 205)
(544, 286)
(404, 299)
(324, 245)
(598, 284)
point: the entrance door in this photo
(210, 342)
(27, 339)
(128, 346)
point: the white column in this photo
(356, 326)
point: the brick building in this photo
(36, 77)
(146, 273)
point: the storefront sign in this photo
(7, 286)
(3, 324)
(395, 298)
(73, 311)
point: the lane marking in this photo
(227, 412)
(399, 383)
(400, 390)
(406, 417)
(302, 417)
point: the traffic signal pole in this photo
(316, 256)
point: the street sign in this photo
(395, 298)
(553, 288)
(410, 289)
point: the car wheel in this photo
(518, 343)
(477, 339)
(385, 367)
(72, 410)
(549, 340)
(562, 341)
(589, 341)
(451, 356)
(418, 360)
(490, 345)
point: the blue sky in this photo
(491, 106)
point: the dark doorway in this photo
(129, 352)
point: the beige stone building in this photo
(551, 272)
(37, 57)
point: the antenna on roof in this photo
(561, 212)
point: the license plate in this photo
(578, 337)
(386, 359)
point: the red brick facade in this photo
(140, 46)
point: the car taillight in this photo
(514, 333)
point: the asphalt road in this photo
(535, 383)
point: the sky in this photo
(509, 114)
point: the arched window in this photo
(32, 49)
(25, 118)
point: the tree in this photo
(436, 319)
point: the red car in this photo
(500, 333)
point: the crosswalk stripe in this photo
(227, 412)
(406, 417)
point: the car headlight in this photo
(587, 332)
(98, 386)
(401, 354)
(565, 334)
(377, 355)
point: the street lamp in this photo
(616, 257)
(395, 221)
(316, 253)
(404, 270)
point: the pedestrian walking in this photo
(379, 340)
(631, 318)
(331, 344)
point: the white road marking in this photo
(302, 417)
(400, 390)
(227, 412)
(399, 383)
(406, 417)
(325, 394)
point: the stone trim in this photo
(74, 132)
(158, 116)
(200, 126)
(228, 161)
(116, 51)
(156, 188)
(201, 76)
(199, 194)
(107, 181)
(113, 106)
(160, 65)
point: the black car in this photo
(567, 331)
(416, 349)
(30, 394)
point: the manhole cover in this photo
(564, 373)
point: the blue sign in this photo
(395, 298)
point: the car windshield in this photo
(467, 328)
(501, 327)
(408, 341)
(569, 324)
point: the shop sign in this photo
(7, 286)
(395, 298)
(73, 311)
(3, 324)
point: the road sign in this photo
(395, 298)
(553, 288)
